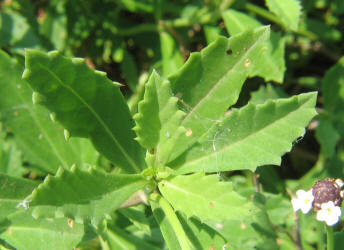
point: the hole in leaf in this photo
(229, 51)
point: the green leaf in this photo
(205, 197)
(171, 56)
(87, 104)
(138, 217)
(267, 92)
(25, 232)
(289, 11)
(116, 238)
(54, 25)
(211, 33)
(237, 22)
(129, 70)
(158, 119)
(253, 232)
(201, 235)
(252, 136)
(10, 159)
(211, 80)
(15, 31)
(338, 240)
(83, 195)
(332, 88)
(327, 136)
(271, 65)
(169, 223)
(40, 140)
(12, 192)
(324, 31)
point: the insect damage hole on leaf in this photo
(229, 51)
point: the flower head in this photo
(327, 190)
(303, 201)
(329, 213)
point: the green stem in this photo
(269, 16)
(168, 220)
(330, 238)
(263, 13)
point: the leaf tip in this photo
(73, 168)
(118, 84)
(59, 172)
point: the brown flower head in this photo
(324, 191)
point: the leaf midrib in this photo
(223, 77)
(94, 113)
(239, 141)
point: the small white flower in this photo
(303, 201)
(340, 183)
(329, 213)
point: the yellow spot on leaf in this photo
(188, 132)
(70, 223)
(247, 63)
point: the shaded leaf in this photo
(25, 232)
(41, 140)
(211, 80)
(15, 31)
(267, 92)
(116, 238)
(289, 11)
(13, 190)
(201, 235)
(252, 136)
(138, 217)
(83, 195)
(129, 69)
(327, 136)
(86, 103)
(158, 119)
(332, 87)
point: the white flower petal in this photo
(331, 220)
(339, 182)
(337, 211)
(303, 201)
(321, 215)
(329, 213)
(296, 204)
(306, 208)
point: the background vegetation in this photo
(128, 39)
